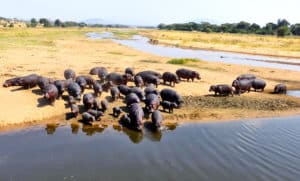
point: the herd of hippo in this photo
(145, 90)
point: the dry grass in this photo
(253, 44)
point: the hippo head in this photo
(128, 77)
(6, 84)
(212, 88)
(196, 75)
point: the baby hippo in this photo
(116, 111)
(51, 93)
(168, 105)
(157, 119)
(221, 89)
(280, 89)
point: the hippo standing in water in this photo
(221, 89)
(115, 93)
(131, 98)
(88, 100)
(117, 78)
(171, 96)
(157, 120)
(51, 93)
(170, 77)
(116, 111)
(69, 74)
(74, 90)
(136, 115)
(280, 89)
(97, 89)
(258, 84)
(102, 73)
(242, 85)
(151, 102)
(246, 77)
(138, 81)
(168, 105)
(187, 74)
(129, 71)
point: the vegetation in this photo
(182, 61)
(282, 28)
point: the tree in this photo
(45, 22)
(282, 22)
(283, 31)
(33, 22)
(254, 28)
(242, 27)
(295, 29)
(57, 23)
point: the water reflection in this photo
(295, 93)
(51, 128)
(90, 130)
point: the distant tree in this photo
(33, 22)
(11, 25)
(282, 22)
(82, 24)
(283, 31)
(295, 29)
(57, 23)
(242, 27)
(270, 29)
(45, 22)
(254, 28)
(161, 26)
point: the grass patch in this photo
(124, 34)
(115, 53)
(182, 61)
(149, 61)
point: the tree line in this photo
(281, 28)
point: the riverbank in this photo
(287, 47)
(49, 52)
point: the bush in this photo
(283, 31)
(182, 61)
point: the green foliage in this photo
(45, 22)
(283, 31)
(295, 29)
(182, 61)
(33, 22)
(57, 23)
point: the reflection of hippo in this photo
(150, 89)
(115, 93)
(138, 81)
(116, 111)
(168, 105)
(157, 119)
(104, 105)
(242, 85)
(130, 71)
(151, 102)
(280, 89)
(97, 114)
(171, 96)
(131, 98)
(187, 74)
(97, 89)
(74, 90)
(87, 117)
(221, 89)
(102, 73)
(88, 100)
(258, 84)
(74, 110)
(51, 93)
(246, 77)
(69, 74)
(170, 77)
(136, 115)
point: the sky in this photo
(153, 12)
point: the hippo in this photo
(12, 82)
(28, 81)
(280, 89)
(157, 119)
(130, 71)
(97, 114)
(51, 93)
(124, 89)
(107, 86)
(117, 78)
(102, 73)
(138, 92)
(71, 100)
(246, 77)
(172, 96)
(170, 77)
(187, 74)
(74, 110)
(168, 105)
(138, 81)
(95, 70)
(88, 100)
(97, 89)
(149, 72)
(87, 117)
(89, 80)
(104, 105)
(42, 82)
(80, 80)
(242, 85)
(151, 79)
(258, 84)
(116, 111)
(62, 85)
(115, 93)
(151, 102)
(221, 89)
(150, 89)
(131, 98)
(69, 74)
(136, 115)
(74, 90)
(96, 104)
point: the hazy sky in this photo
(153, 12)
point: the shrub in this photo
(182, 61)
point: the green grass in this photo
(124, 34)
(182, 61)
(149, 61)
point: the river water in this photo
(265, 149)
